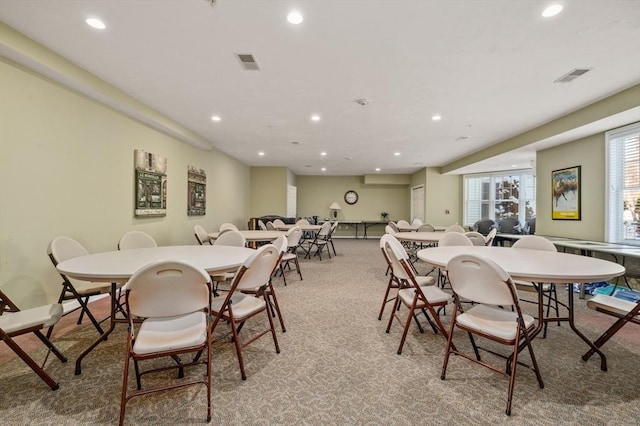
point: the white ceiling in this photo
(487, 67)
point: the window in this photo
(622, 216)
(499, 195)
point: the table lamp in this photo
(334, 207)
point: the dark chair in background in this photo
(483, 226)
(509, 225)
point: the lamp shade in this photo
(334, 206)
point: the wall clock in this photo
(351, 197)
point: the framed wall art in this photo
(151, 184)
(197, 191)
(566, 194)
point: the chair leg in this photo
(448, 351)
(386, 299)
(29, 361)
(125, 380)
(298, 267)
(272, 295)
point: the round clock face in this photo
(351, 197)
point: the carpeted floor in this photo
(339, 367)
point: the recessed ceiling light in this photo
(397, 154)
(552, 10)
(436, 117)
(261, 153)
(324, 169)
(324, 154)
(96, 23)
(377, 169)
(295, 17)
(215, 118)
(514, 165)
(315, 117)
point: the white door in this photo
(292, 199)
(417, 202)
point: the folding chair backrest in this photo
(481, 280)
(302, 222)
(334, 226)
(393, 226)
(64, 248)
(136, 239)
(293, 236)
(230, 238)
(201, 234)
(278, 223)
(166, 289)
(261, 225)
(325, 230)
(270, 226)
(534, 242)
(389, 230)
(454, 239)
(395, 254)
(403, 223)
(476, 238)
(426, 227)
(256, 270)
(454, 228)
(227, 226)
(416, 222)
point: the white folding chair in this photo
(136, 239)
(15, 322)
(173, 298)
(202, 236)
(491, 289)
(236, 308)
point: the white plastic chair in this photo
(455, 228)
(486, 284)
(233, 238)
(227, 226)
(136, 239)
(173, 298)
(403, 224)
(476, 238)
(293, 235)
(490, 237)
(454, 239)
(63, 248)
(254, 273)
(261, 225)
(536, 242)
(415, 297)
(416, 221)
(202, 236)
(15, 322)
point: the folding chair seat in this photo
(394, 282)
(319, 243)
(64, 248)
(15, 322)
(415, 297)
(237, 308)
(173, 298)
(201, 235)
(491, 289)
(548, 290)
(626, 312)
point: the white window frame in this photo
(617, 228)
(522, 200)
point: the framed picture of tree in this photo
(566, 194)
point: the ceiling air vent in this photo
(248, 62)
(572, 75)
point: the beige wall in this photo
(443, 198)
(66, 168)
(316, 193)
(269, 190)
(589, 153)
